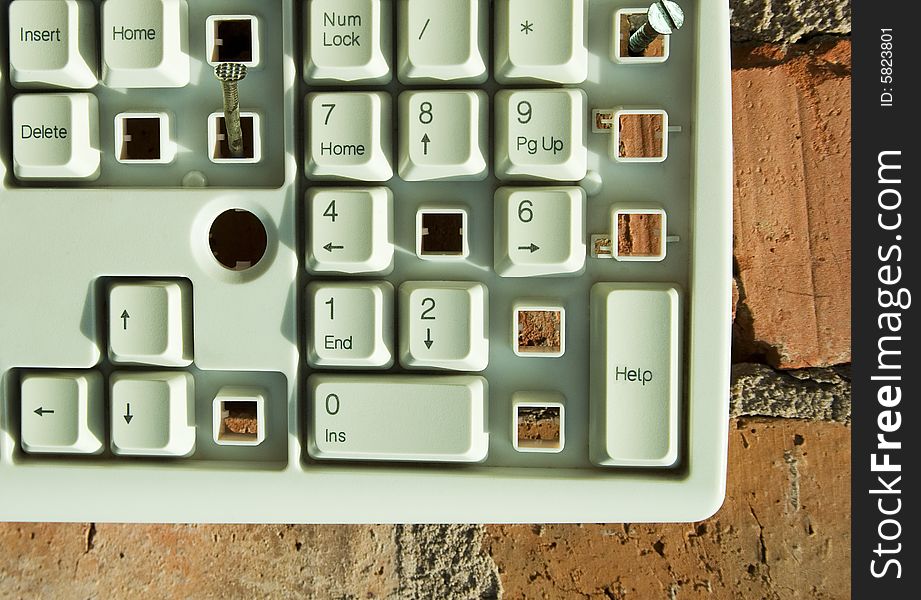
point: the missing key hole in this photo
(239, 416)
(141, 139)
(233, 41)
(641, 136)
(222, 147)
(539, 427)
(442, 234)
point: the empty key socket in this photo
(639, 234)
(239, 416)
(441, 234)
(537, 421)
(144, 138)
(639, 135)
(233, 38)
(626, 21)
(539, 330)
(219, 149)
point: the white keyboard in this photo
(458, 260)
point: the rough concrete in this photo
(818, 394)
(788, 20)
(792, 213)
(783, 532)
(444, 561)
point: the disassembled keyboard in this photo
(363, 260)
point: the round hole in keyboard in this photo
(238, 239)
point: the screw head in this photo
(230, 71)
(665, 17)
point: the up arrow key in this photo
(124, 317)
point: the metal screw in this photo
(229, 74)
(663, 18)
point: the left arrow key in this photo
(62, 412)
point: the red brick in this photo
(784, 532)
(791, 122)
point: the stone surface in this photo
(784, 532)
(788, 20)
(444, 561)
(244, 561)
(791, 121)
(824, 394)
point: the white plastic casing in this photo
(137, 221)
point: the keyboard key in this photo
(635, 374)
(397, 417)
(153, 413)
(444, 325)
(62, 412)
(443, 135)
(53, 43)
(443, 40)
(348, 40)
(351, 324)
(150, 323)
(145, 43)
(539, 231)
(56, 136)
(540, 134)
(350, 230)
(348, 136)
(542, 40)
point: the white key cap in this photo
(541, 134)
(348, 136)
(350, 230)
(56, 136)
(348, 40)
(539, 231)
(635, 374)
(145, 43)
(542, 40)
(351, 324)
(444, 325)
(53, 43)
(150, 323)
(153, 413)
(443, 135)
(443, 40)
(62, 412)
(397, 417)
